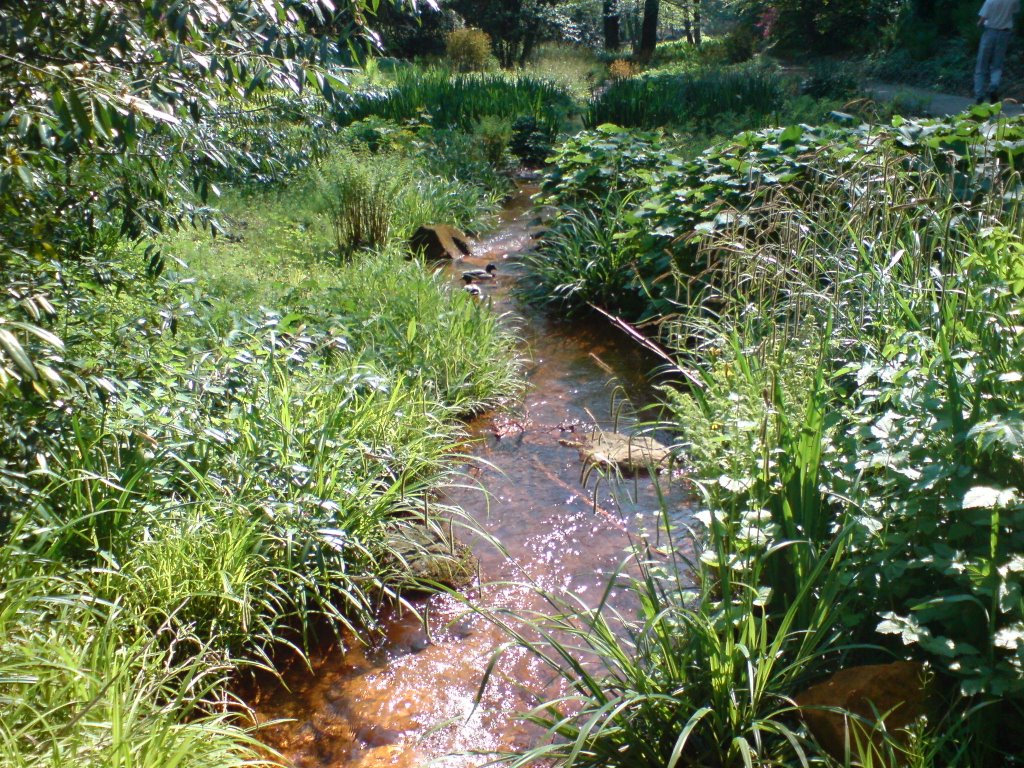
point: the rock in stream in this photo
(628, 454)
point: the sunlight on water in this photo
(415, 699)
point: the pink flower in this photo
(766, 23)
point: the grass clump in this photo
(699, 96)
(359, 198)
(585, 263)
(461, 100)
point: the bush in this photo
(740, 44)
(620, 69)
(846, 317)
(359, 195)
(530, 142)
(831, 81)
(469, 50)
(494, 134)
(378, 134)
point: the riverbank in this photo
(415, 695)
(261, 413)
(847, 423)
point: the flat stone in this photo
(896, 692)
(629, 454)
(432, 555)
(440, 241)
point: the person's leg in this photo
(1000, 42)
(982, 65)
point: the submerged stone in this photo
(440, 241)
(431, 555)
(628, 454)
(896, 693)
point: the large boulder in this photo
(896, 694)
(627, 454)
(440, 241)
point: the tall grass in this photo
(461, 100)
(687, 98)
(81, 683)
(360, 197)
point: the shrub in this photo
(494, 134)
(830, 81)
(739, 44)
(378, 134)
(620, 69)
(530, 142)
(469, 50)
(359, 195)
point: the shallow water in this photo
(411, 699)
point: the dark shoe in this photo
(979, 100)
(993, 97)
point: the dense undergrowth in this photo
(846, 302)
(210, 435)
(213, 439)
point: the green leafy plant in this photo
(469, 49)
(359, 195)
(494, 134)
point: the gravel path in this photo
(930, 102)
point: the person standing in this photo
(996, 19)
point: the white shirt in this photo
(998, 14)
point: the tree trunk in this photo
(687, 26)
(649, 29)
(612, 36)
(697, 39)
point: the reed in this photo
(687, 98)
(462, 100)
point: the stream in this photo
(410, 699)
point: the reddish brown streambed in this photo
(409, 700)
